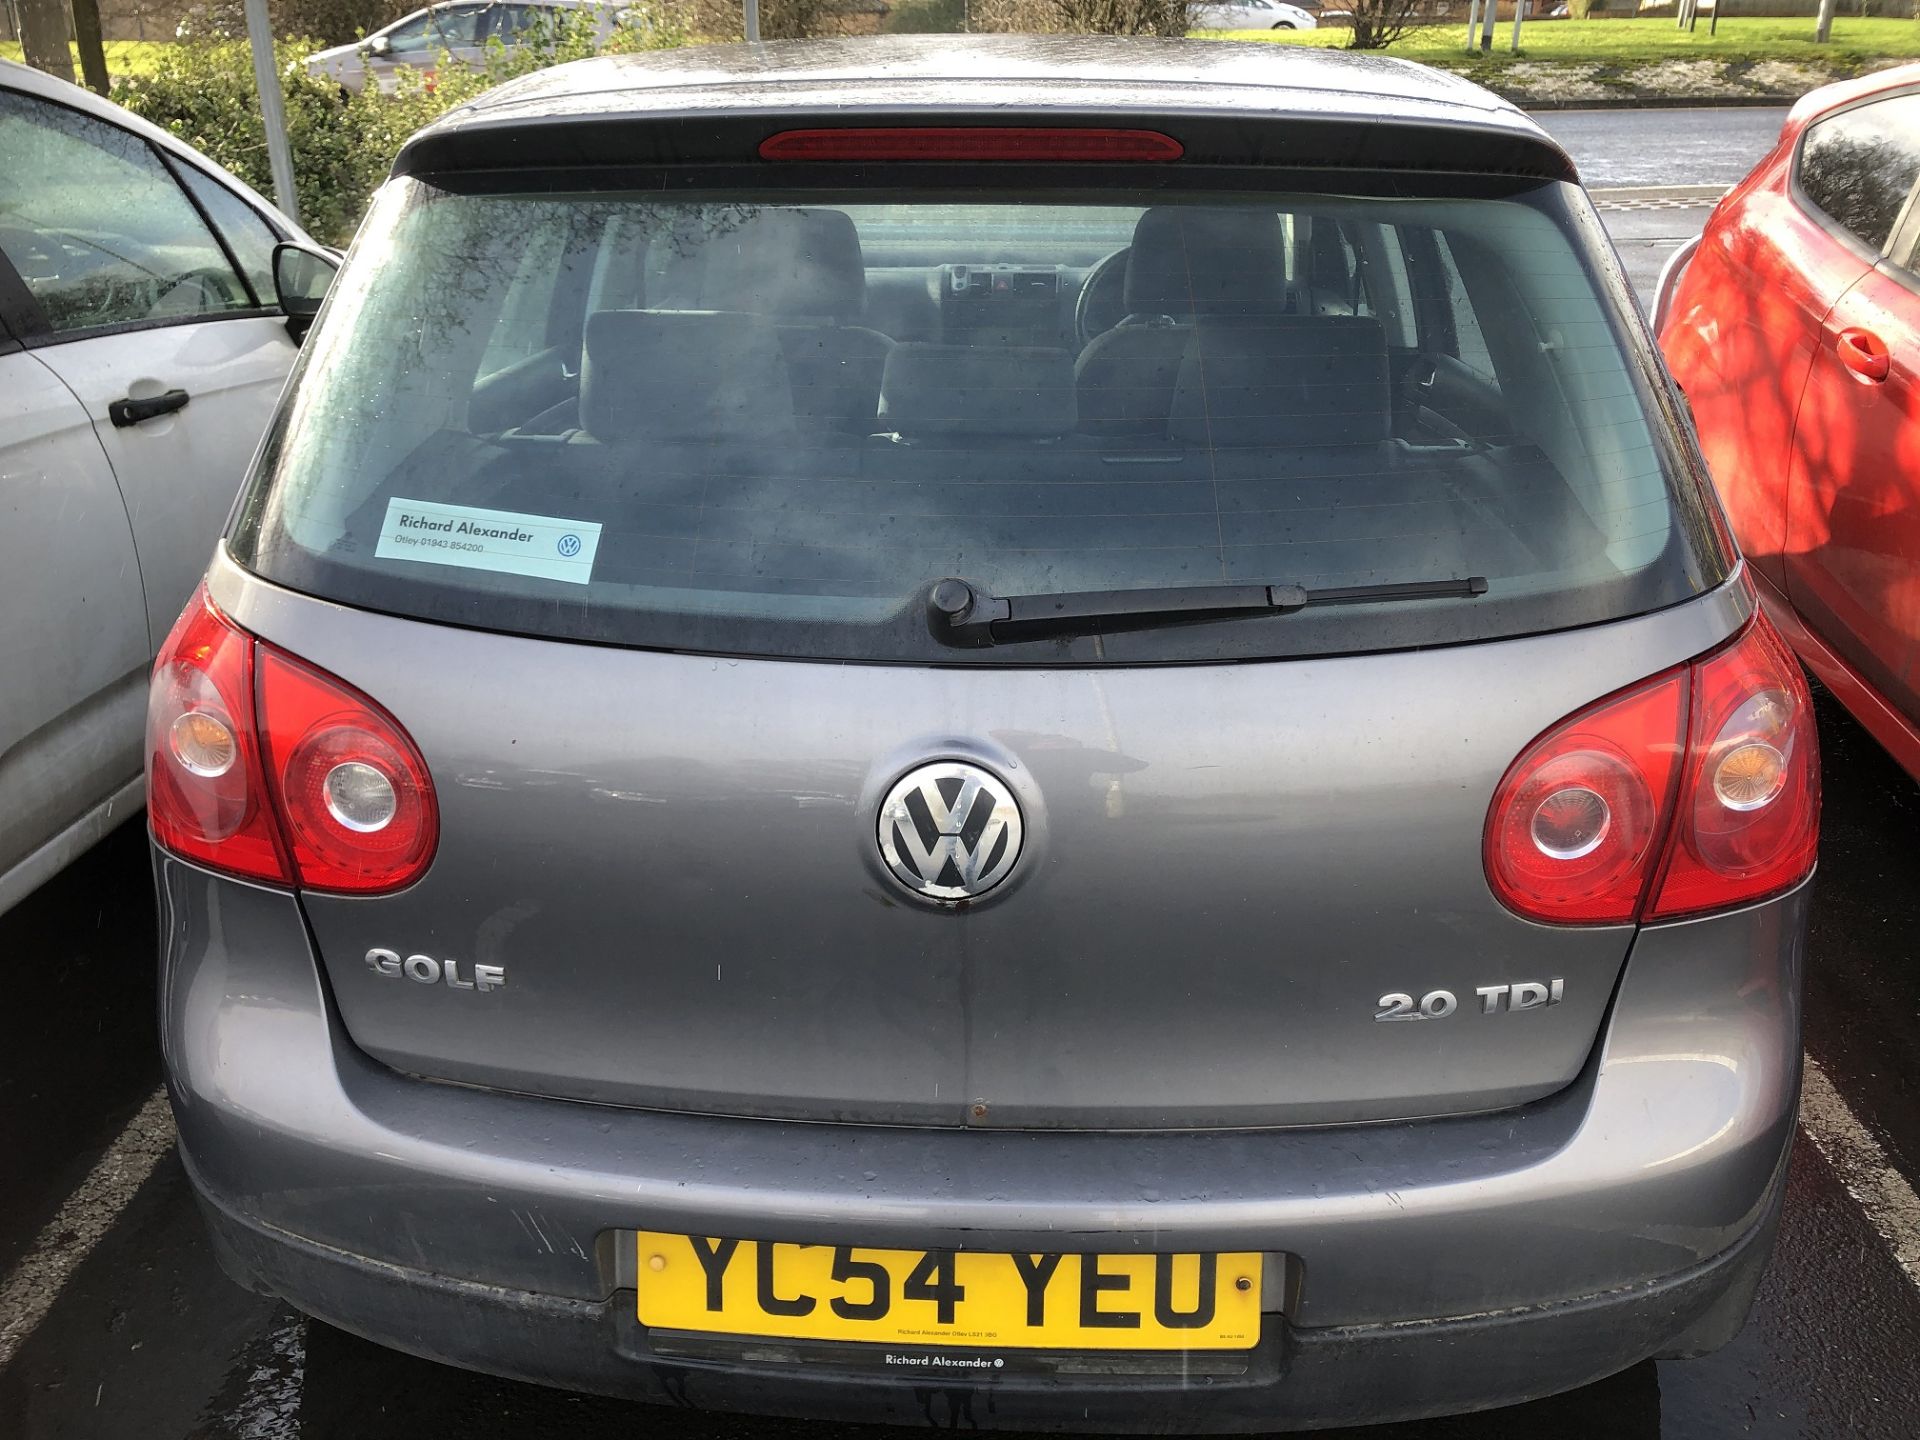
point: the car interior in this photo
(753, 398)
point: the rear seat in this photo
(994, 397)
(684, 377)
(804, 270)
(988, 440)
(689, 453)
(1284, 385)
(1279, 456)
(1291, 421)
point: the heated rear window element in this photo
(773, 425)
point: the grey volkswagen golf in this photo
(1053, 729)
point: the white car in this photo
(457, 31)
(1252, 15)
(142, 346)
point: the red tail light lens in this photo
(261, 766)
(354, 792)
(205, 796)
(1695, 791)
(1577, 823)
(1749, 809)
(973, 142)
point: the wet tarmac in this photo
(1704, 145)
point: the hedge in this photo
(343, 142)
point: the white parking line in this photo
(30, 1289)
(1885, 1194)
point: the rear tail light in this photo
(350, 786)
(1044, 145)
(261, 766)
(1748, 817)
(1694, 791)
(205, 799)
(1578, 820)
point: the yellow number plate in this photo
(941, 1297)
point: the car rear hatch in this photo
(633, 510)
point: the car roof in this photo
(1845, 92)
(1047, 77)
(24, 80)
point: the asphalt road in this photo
(114, 1321)
(1708, 146)
(1672, 166)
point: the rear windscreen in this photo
(772, 424)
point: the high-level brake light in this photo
(1048, 146)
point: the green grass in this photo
(1630, 42)
(124, 57)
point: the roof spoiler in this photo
(495, 140)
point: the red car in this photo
(1793, 325)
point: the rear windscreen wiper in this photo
(962, 614)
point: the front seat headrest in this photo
(787, 263)
(1196, 260)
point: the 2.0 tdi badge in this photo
(950, 830)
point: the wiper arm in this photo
(962, 614)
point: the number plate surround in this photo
(1085, 1302)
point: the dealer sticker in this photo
(504, 540)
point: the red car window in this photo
(1860, 165)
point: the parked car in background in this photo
(1252, 15)
(1070, 732)
(1793, 324)
(141, 349)
(456, 32)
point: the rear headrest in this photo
(1288, 382)
(694, 375)
(791, 264)
(1190, 260)
(973, 390)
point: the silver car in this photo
(1251, 15)
(143, 343)
(452, 33)
(1046, 733)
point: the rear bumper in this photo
(1624, 1217)
(1295, 1379)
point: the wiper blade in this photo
(959, 613)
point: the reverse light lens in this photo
(204, 744)
(353, 791)
(360, 797)
(1571, 823)
(1044, 145)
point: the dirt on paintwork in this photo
(1566, 84)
